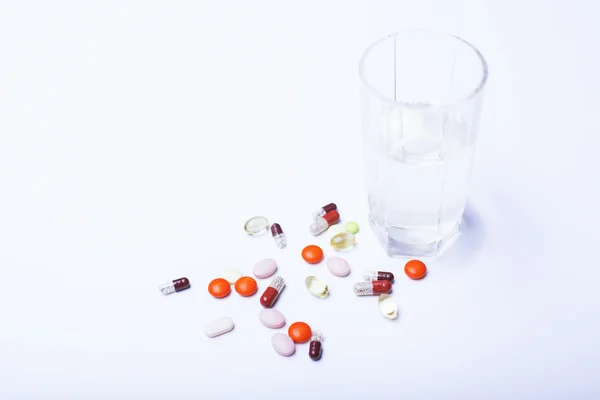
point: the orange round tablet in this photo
(300, 332)
(415, 269)
(246, 286)
(219, 288)
(312, 254)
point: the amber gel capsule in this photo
(378, 276)
(324, 210)
(278, 236)
(175, 286)
(269, 297)
(315, 347)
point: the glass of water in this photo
(421, 99)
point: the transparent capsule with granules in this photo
(278, 236)
(315, 347)
(269, 297)
(324, 210)
(321, 224)
(378, 276)
(342, 241)
(174, 286)
(371, 288)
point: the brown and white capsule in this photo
(175, 286)
(278, 236)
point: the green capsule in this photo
(351, 227)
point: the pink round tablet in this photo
(338, 266)
(272, 318)
(264, 268)
(283, 344)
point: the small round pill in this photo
(300, 332)
(283, 344)
(246, 286)
(232, 275)
(351, 227)
(415, 269)
(219, 288)
(312, 254)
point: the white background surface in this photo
(136, 137)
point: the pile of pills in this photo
(325, 219)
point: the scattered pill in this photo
(324, 210)
(300, 332)
(272, 318)
(174, 286)
(312, 254)
(219, 288)
(321, 224)
(378, 276)
(218, 327)
(256, 225)
(264, 268)
(232, 275)
(415, 269)
(316, 287)
(338, 266)
(351, 227)
(387, 306)
(283, 344)
(315, 347)
(278, 236)
(246, 286)
(374, 287)
(272, 292)
(342, 241)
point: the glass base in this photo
(394, 241)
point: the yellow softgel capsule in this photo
(342, 241)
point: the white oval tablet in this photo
(271, 318)
(283, 344)
(218, 327)
(264, 268)
(387, 306)
(338, 266)
(232, 275)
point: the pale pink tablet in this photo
(283, 344)
(264, 268)
(272, 318)
(338, 266)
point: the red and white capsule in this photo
(322, 223)
(278, 236)
(324, 210)
(175, 286)
(371, 288)
(269, 297)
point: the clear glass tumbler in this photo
(421, 99)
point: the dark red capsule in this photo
(276, 230)
(315, 349)
(329, 207)
(378, 276)
(175, 286)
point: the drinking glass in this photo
(421, 99)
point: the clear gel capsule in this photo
(175, 286)
(315, 347)
(324, 210)
(370, 288)
(278, 235)
(378, 276)
(322, 223)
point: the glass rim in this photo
(377, 93)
